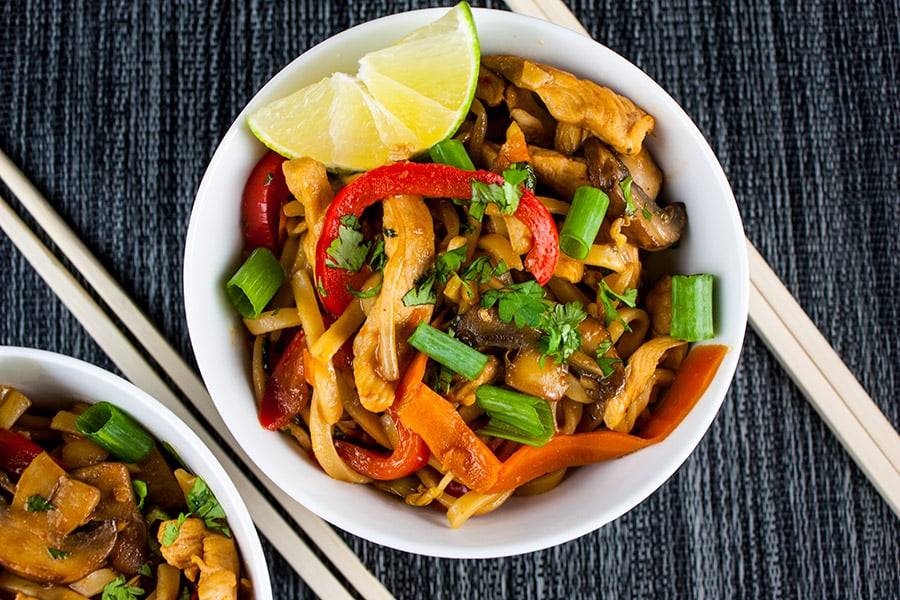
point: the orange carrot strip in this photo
(691, 380)
(430, 415)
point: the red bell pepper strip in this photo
(429, 180)
(17, 452)
(265, 193)
(287, 392)
(411, 452)
(409, 455)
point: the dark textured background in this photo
(114, 109)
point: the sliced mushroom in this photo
(33, 550)
(482, 328)
(651, 227)
(118, 503)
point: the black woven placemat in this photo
(113, 109)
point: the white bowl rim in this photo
(483, 542)
(62, 366)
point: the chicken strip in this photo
(380, 347)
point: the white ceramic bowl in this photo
(53, 380)
(591, 496)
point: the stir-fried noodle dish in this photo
(92, 506)
(460, 327)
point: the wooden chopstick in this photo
(791, 336)
(117, 346)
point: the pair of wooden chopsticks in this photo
(268, 517)
(791, 336)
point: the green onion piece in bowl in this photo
(515, 416)
(448, 351)
(451, 152)
(255, 283)
(692, 307)
(116, 432)
(583, 221)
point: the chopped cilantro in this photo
(523, 302)
(172, 530)
(203, 503)
(647, 214)
(505, 196)
(449, 263)
(37, 503)
(388, 232)
(422, 293)
(561, 335)
(57, 554)
(140, 491)
(606, 296)
(378, 258)
(481, 270)
(606, 363)
(145, 570)
(348, 251)
(445, 265)
(366, 294)
(118, 589)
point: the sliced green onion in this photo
(448, 351)
(116, 432)
(254, 284)
(692, 307)
(515, 416)
(451, 152)
(583, 221)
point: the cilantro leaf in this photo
(449, 263)
(37, 503)
(561, 334)
(57, 554)
(140, 492)
(445, 266)
(422, 293)
(203, 503)
(606, 296)
(606, 363)
(378, 258)
(482, 193)
(348, 251)
(523, 302)
(481, 270)
(118, 589)
(172, 530)
(506, 196)
(373, 291)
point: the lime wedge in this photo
(404, 99)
